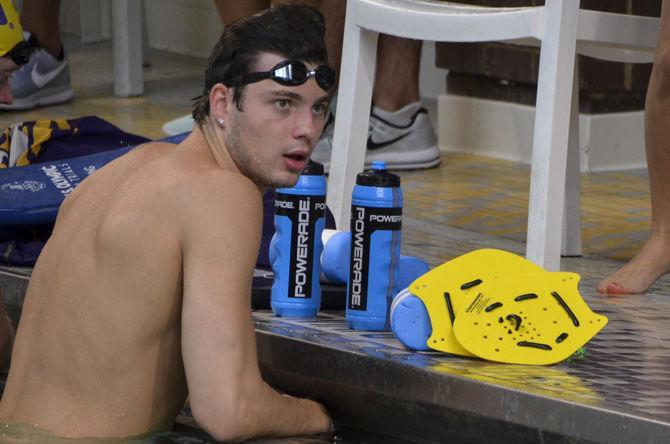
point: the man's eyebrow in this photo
(295, 96)
(289, 94)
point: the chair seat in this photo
(447, 21)
(617, 37)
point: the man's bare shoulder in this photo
(217, 189)
(177, 177)
(215, 199)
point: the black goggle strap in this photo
(254, 77)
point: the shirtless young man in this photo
(142, 294)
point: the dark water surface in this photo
(28, 434)
(342, 436)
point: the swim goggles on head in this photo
(293, 73)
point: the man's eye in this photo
(319, 109)
(282, 103)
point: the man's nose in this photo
(309, 125)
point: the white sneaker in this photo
(43, 81)
(404, 139)
(179, 125)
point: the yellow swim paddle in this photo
(501, 307)
(527, 319)
(446, 288)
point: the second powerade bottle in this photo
(299, 220)
(376, 218)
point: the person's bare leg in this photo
(397, 77)
(6, 335)
(653, 260)
(41, 18)
(334, 12)
(231, 10)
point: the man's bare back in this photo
(99, 346)
(115, 304)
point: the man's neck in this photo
(219, 151)
(217, 146)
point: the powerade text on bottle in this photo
(299, 221)
(376, 217)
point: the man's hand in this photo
(317, 414)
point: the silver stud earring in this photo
(221, 121)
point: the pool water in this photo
(29, 434)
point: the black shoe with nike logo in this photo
(402, 145)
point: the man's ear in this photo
(220, 101)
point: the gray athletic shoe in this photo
(404, 139)
(43, 81)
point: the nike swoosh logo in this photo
(42, 79)
(371, 145)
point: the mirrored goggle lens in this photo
(325, 77)
(291, 74)
(297, 74)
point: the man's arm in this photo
(228, 397)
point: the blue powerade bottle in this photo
(300, 214)
(376, 218)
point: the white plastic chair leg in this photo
(572, 230)
(127, 44)
(550, 138)
(357, 74)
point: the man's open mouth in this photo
(297, 157)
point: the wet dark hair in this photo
(292, 30)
